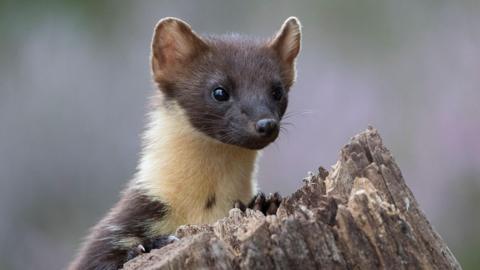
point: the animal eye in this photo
(220, 94)
(277, 93)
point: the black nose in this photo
(266, 127)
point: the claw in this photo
(172, 238)
(240, 205)
(135, 251)
(163, 241)
(268, 205)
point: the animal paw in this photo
(268, 205)
(239, 205)
(135, 251)
(161, 241)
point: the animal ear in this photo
(286, 44)
(287, 41)
(174, 44)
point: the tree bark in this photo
(360, 215)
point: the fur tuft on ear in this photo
(287, 40)
(174, 44)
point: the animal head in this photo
(232, 88)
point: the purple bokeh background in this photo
(75, 82)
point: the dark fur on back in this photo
(129, 218)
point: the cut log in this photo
(360, 215)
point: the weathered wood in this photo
(361, 215)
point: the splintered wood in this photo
(361, 215)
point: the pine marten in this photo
(220, 99)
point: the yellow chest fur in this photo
(186, 169)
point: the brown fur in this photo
(248, 68)
(124, 227)
(199, 155)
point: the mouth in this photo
(253, 142)
(257, 145)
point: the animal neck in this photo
(191, 171)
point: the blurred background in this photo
(75, 82)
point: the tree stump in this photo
(360, 215)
